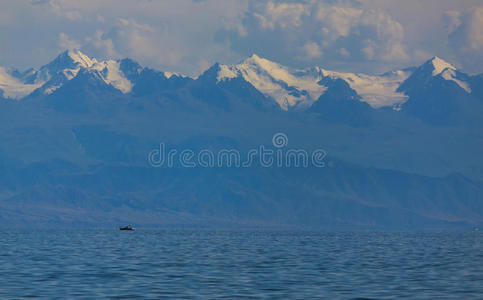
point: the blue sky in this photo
(188, 36)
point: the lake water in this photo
(185, 264)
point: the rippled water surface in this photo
(231, 264)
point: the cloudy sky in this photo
(188, 36)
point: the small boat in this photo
(128, 227)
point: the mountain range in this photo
(404, 148)
(289, 88)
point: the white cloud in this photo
(66, 43)
(60, 8)
(369, 50)
(133, 37)
(171, 35)
(344, 53)
(312, 50)
(129, 38)
(103, 47)
(387, 33)
(452, 20)
(284, 31)
(465, 37)
(337, 21)
(282, 14)
(474, 29)
(187, 36)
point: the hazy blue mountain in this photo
(403, 148)
(150, 82)
(476, 83)
(439, 93)
(341, 104)
(342, 195)
(84, 93)
(228, 93)
(435, 92)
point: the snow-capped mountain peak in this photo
(302, 87)
(80, 58)
(69, 63)
(61, 69)
(262, 63)
(110, 72)
(450, 74)
(288, 87)
(440, 65)
(69, 60)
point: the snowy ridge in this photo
(168, 75)
(111, 73)
(440, 65)
(50, 89)
(279, 82)
(13, 87)
(377, 91)
(108, 70)
(450, 74)
(447, 71)
(68, 64)
(288, 87)
(81, 59)
(63, 68)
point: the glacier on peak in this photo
(440, 65)
(450, 74)
(80, 58)
(69, 63)
(13, 87)
(110, 72)
(377, 90)
(279, 82)
(288, 87)
(291, 88)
